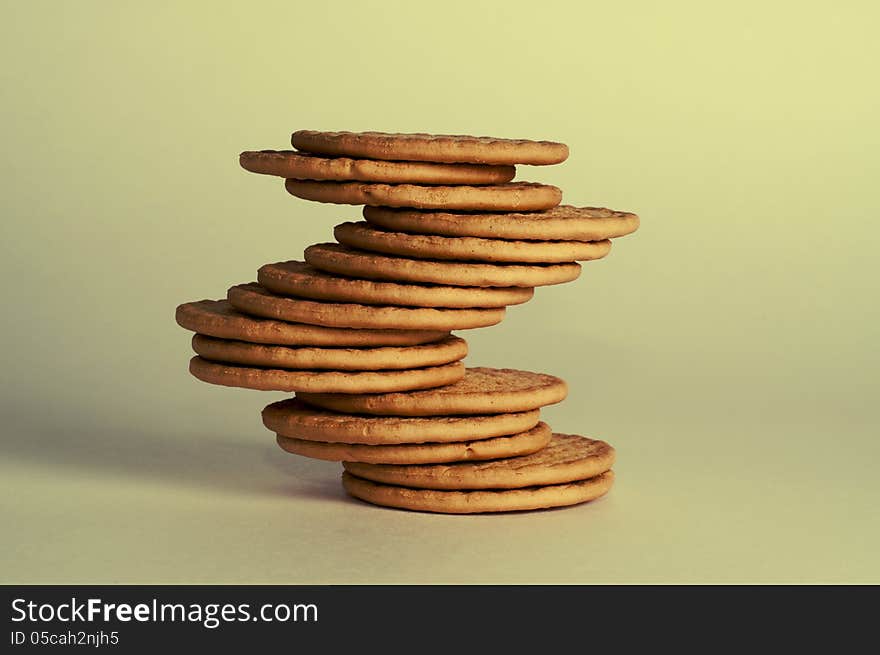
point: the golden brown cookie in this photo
(480, 391)
(450, 349)
(564, 222)
(306, 166)
(304, 281)
(217, 318)
(273, 379)
(473, 502)
(295, 419)
(513, 445)
(430, 246)
(254, 299)
(567, 458)
(342, 260)
(431, 147)
(513, 196)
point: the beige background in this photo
(728, 349)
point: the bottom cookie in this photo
(514, 445)
(473, 502)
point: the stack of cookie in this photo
(361, 330)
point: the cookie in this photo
(428, 246)
(343, 260)
(295, 419)
(305, 166)
(254, 299)
(450, 349)
(473, 502)
(270, 379)
(513, 196)
(567, 458)
(304, 281)
(480, 391)
(430, 147)
(514, 445)
(564, 223)
(217, 318)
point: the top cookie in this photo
(305, 166)
(447, 148)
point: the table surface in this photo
(201, 493)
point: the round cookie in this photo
(431, 147)
(306, 166)
(567, 458)
(304, 281)
(564, 223)
(514, 445)
(480, 391)
(450, 349)
(270, 379)
(254, 299)
(217, 318)
(295, 419)
(429, 246)
(513, 196)
(473, 502)
(342, 260)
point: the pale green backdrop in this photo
(728, 349)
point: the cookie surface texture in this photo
(481, 391)
(305, 166)
(363, 236)
(431, 147)
(254, 299)
(513, 445)
(473, 502)
(564, 222)
(271, 379)
(304, 281)
(342, 260)
(567, 458)
(217, 318)
(513, 196)
(294, 418)
(450, 349)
